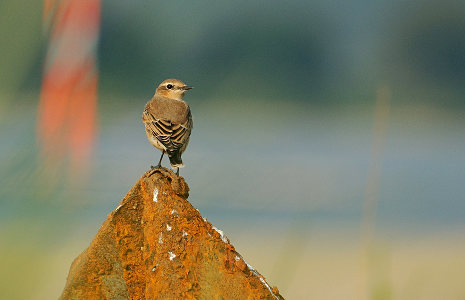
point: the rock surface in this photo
(156, 245)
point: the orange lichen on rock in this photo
(156, 245)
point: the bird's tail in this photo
(175, 159)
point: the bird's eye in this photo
(169, 86)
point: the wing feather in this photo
(174, 137)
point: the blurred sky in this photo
(284, 112)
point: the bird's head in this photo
(172, 89)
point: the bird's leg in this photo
(159, 163)
(177, 172)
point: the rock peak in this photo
(156, 245)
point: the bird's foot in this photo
(155, 167)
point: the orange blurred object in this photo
(68, 101)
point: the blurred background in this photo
(328, 141)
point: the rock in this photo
(156, 245)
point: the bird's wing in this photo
(170, 134)
(181, 132)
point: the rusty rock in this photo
(156, 245)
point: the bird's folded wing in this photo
(181, 132)
(171, 135)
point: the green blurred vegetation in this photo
(330, 54)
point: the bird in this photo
(168, 121)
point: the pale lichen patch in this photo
(155, 195)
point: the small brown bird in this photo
(168, 121)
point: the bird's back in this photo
(175, 111)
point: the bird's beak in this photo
(186, 88)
